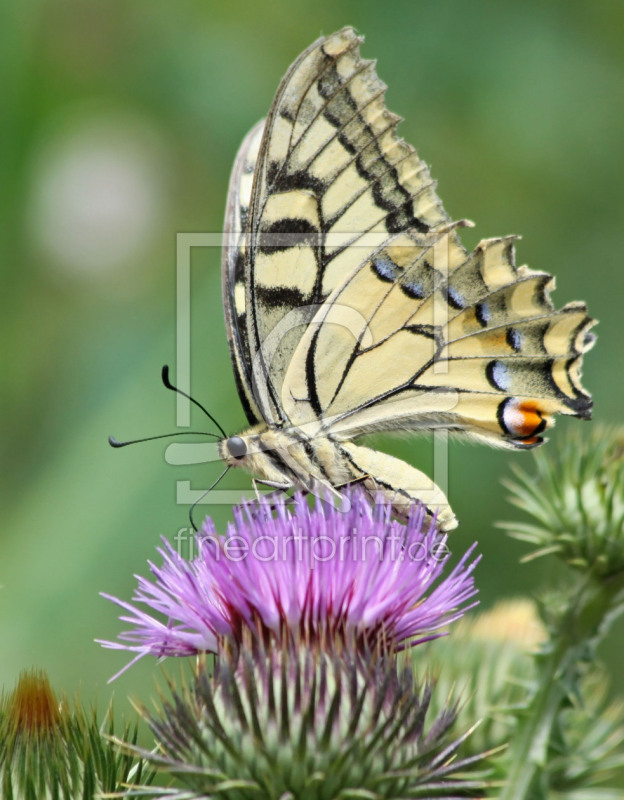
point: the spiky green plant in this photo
(587, 746)
(51, 752)
(575, 496)
(495, 659)
(304, 724)
(489, 660)
(576, 500)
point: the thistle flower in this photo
(50, 751)
(293, 723)
(321, 576)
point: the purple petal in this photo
(305, 572)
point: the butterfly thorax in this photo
(286, 457)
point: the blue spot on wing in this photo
(455, 298)
(413, 289)
(483, 313)
(385, 269)
(498, 375)
(514, 339)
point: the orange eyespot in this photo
(529, 440)
(531, 418)
(522, 419)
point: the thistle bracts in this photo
(575, 497)
(302, 724)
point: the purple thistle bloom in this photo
(319, 576)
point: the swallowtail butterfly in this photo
(352, 307)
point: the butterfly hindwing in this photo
(401, 345)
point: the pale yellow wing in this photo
(332, 182)
(423, 336)
(233, 268)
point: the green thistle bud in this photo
(576, 499)
(304, 724)
(489, 659)
(49, 751)
(587, 758)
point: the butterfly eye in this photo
(237, 447)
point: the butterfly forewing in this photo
(331, 172)
(233, 268)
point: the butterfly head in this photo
(244, 449)
(236, 447)
(270, 455)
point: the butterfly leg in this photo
(353, 481)
(278, 488)
(328, 493)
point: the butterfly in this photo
(352, 306)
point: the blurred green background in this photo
(120, 122)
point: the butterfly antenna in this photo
(114, 443)
(169, 385)
(201, 497)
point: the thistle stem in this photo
(573, 642)
(527, 754)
